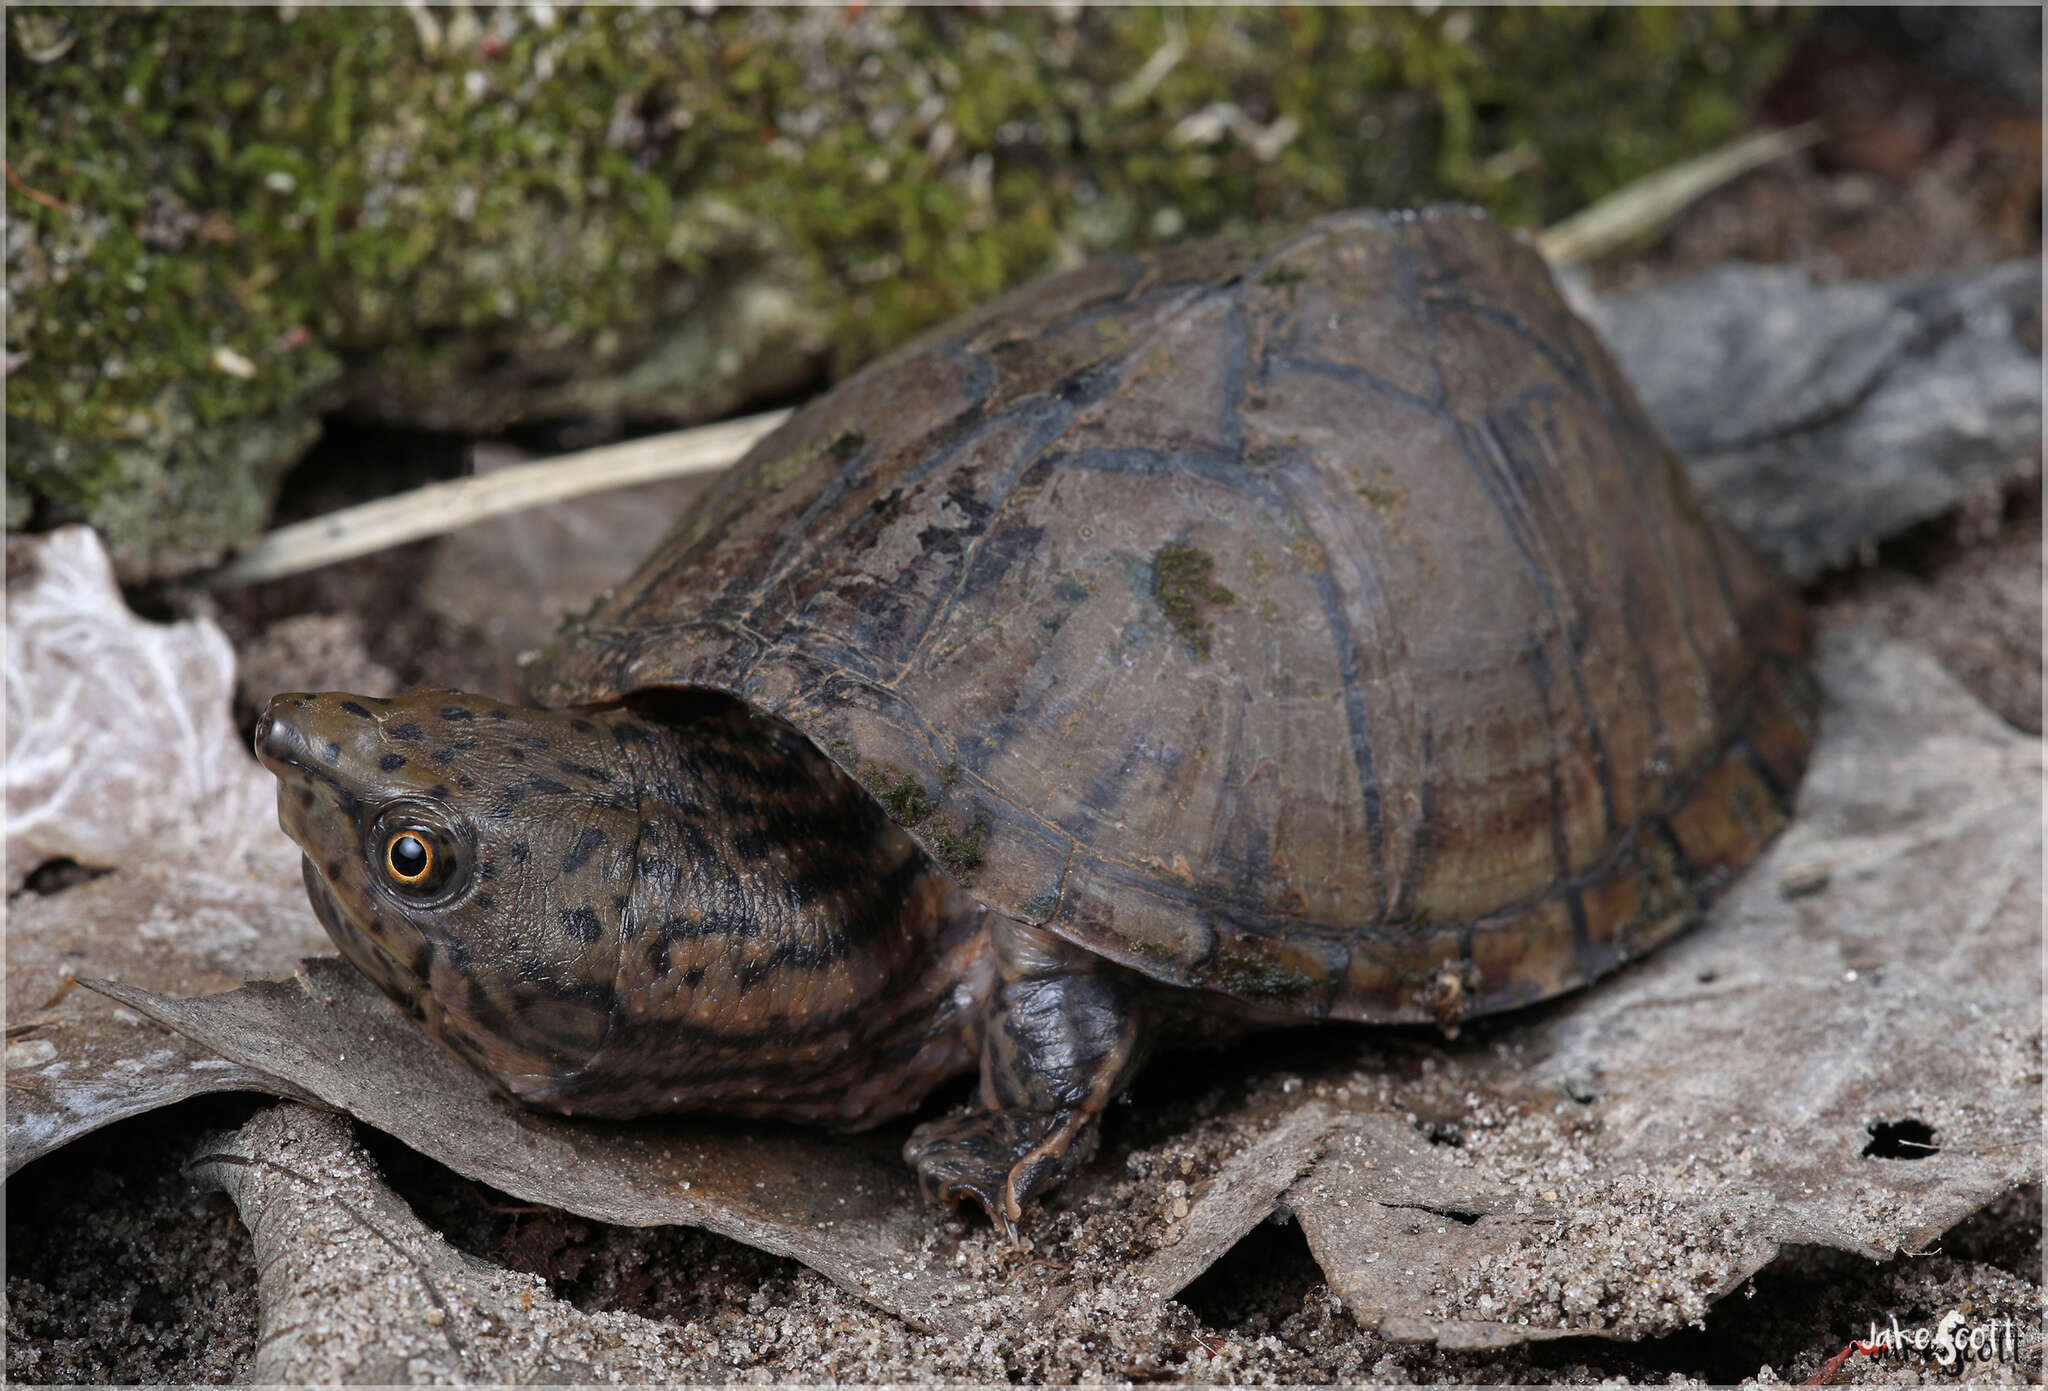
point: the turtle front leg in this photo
(1062, 1035)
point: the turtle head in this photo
(620, 909)
(462, 853)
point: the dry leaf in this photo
(119, 747)
(1635, 1152)
(121, 756)
(355, 1289)
(845, 1206)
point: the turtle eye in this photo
(419, 854)
(408, 858)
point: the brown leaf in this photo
(121, 756)
(845, 1207)
(356, 1289)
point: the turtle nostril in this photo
(273, 738)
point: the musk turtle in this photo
(1306, 628)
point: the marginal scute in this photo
(1316, 620)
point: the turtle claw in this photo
(1000, 1159)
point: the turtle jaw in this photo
(315, 807)
(374, 953)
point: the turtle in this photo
(1300, 627)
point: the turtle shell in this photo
(1318, 621)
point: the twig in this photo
(1648, 203)
(14, 182)
(440, 507)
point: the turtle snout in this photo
(278, 743)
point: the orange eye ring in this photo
(408, 857)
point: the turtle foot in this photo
(1000, 1159)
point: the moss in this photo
(904, 798)
(1664, 891)
(1753, 809)
(467, 218)
(1383, 491)
(1252, 977)
(842, 445)
(1185, 589)
(1283, 277)
(908, 804)
(1800, 689)
(960, 851)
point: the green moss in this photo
(960, 851)
(1663, 891)
(1185, 590)
(842, 445)
(908, 804)
(462, 219)
(904, 798)
(1285, 278)
(1801, 690)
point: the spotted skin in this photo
(644, 912)
(1306, 627)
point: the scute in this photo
(1321, 624)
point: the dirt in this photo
(1968, 589)
(128, 1275)
(1920, 171)
(119, 1271)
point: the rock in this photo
(223, 223)
(1994, 47)
(174, 495)
(310, 652)
(1821, 418)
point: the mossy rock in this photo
(223, 223)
